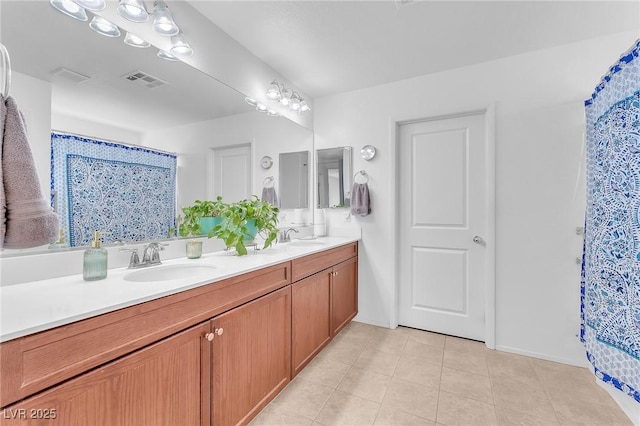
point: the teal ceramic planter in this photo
(208, 223)
(252, 231)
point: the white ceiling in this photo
(327, 47)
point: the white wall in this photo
(538, 100)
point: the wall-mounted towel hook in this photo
(268, 181)
(361, 173)
(6, 71)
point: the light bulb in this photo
(104, 27)
(69, 8)
(133, 10)
(135, 41)
(273, 92)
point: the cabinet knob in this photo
(219, 331)
(209, 336)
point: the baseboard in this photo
(358, 318)
(584, 363)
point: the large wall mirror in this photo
(334, 177)
(189, 115)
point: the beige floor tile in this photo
(469, 362)
(458, 344)
(522, 397)
(517, 367)
(564, 382)
(380, 362)
(418, 400)
(508, 417)
(425, 337)
(343, 350)
(276, 416)
(390, 417)
(345, 409)
(303, 397)
(466, 385)
(365, 384)
(454, 410)
(325, 371)
(419, 352)
(386, 340)
(578, 412)
(418, 372)
(357, 331)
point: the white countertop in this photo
(41, 305)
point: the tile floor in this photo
(375, 376)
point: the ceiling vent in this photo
(144, 79)
(67, 74)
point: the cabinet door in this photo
(344, 294)
(162, 384)
(310, 318)
(251, 357)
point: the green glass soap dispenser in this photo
(95, 260)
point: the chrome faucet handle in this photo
(285, 237)
(151, 254)
(134, 260)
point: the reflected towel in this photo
(360, 199)
(3, 202)
(269, 195)
(30, 221)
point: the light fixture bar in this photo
(287, 97)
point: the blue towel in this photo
(360, 199)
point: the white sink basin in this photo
(305, 243)
(169, 272)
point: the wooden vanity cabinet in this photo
(251, 357)
(323, 303)
(167, 383)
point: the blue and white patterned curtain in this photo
(127, 191)
(610, 285)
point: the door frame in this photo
(211, 157)
(490, 225)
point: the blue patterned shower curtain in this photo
(610, 285)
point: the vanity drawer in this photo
(32, 363)
(309, 265)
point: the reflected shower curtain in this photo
(610, 328)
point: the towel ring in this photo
(363, 173)
(6, 71)
(268, 180)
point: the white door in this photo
(442, 215)
(231, 173)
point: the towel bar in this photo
(363, 173)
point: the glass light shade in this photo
(135, 41)
(273, 92)
(133, 10)
(104, 27)
(180, 48)
(295, 102)
(261, 108)
(92, 5)
(286, 97)
(166, 55)
(251, 101)
(163, 22)
(272, 113)
(69, 8)
(304, 107)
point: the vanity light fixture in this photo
(70, 8)
(260, 107)
(133, 10)
(166, 55)
(92, 5)
(287, 97)
(135, 41)
(104, 27)
(163, 22)
(180, 48)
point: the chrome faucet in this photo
(150, 255)
(284, 235)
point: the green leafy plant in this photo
(234, 229)
(189, 222)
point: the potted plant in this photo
(243, 220)
(197, 220)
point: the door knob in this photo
(478, 239)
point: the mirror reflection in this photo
(334, 177)
(294, 180)
(189, 115)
